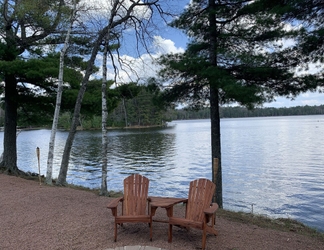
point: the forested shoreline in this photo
(237, 112)
(145, 114)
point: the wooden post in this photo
(38, 156)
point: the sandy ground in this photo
(34, 216)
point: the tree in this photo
(143, 109)
(122, 16)
(58, 99)
(23, 27)
(127, 92)
(104, 147)
(141, 101)
(234, 55)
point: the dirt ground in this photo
(34, 216)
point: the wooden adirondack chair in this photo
(134, 203)
(199, 210)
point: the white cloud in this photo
(165, 46)
(143, 67)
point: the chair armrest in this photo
(114, 202)
(186, 201)
(212, 209)
(169, 208)
(113, 205)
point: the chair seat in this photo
(185, 223)
(133, 219)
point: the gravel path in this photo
(34, 216)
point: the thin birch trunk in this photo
(104, 189)
(58, 100)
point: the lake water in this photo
(274, 164)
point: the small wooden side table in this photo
(164, 202)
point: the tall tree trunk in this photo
(58, 100)
(10, 128)
(9, 160)
(214, 110)
(104, 189)
(216, 145)
(61, 180)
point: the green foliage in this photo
(141, 109)
(129, 90)
(64, 121)
(37, 83)
(238, 55)
(92, 100)
(92, 123)
(308, 16)
(35, 89)
(23, 58)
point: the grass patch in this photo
(282, 224)
(35, 177)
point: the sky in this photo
(169, 40)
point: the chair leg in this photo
(204, 240)
(151, 230)
(115, 232)
(170, 233)
(204, 236)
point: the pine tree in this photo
(235, 55)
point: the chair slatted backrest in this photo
(200, 197)
(135, 195)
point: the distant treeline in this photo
(236, 112)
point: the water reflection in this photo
(274, 164)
